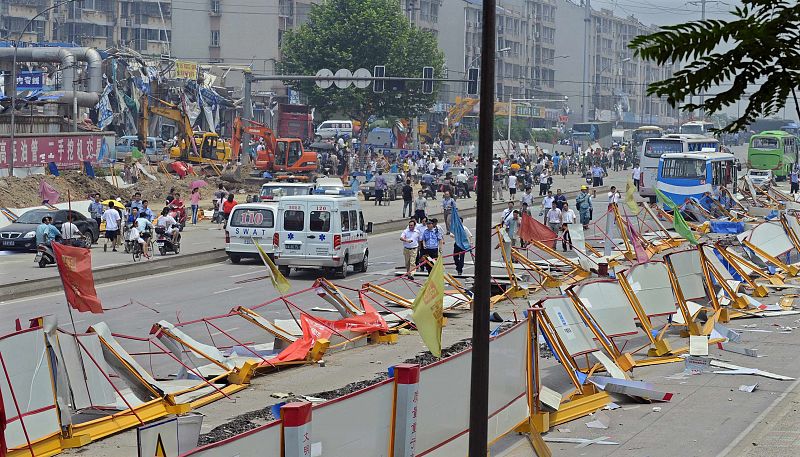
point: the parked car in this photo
(393, 180)
(20, 235)
(760, 177)
(334, 128)
(329, 186)
(274, 190)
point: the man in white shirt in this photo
(637, 175)
(527, 197)
(613, 196)
(567, 219)
(111, 217)
(512, 185)
(410, 238)
(461, 180)
(547, 203)
(69, 231)
(507, 212)
(554, 219)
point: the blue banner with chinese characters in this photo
(30, 80)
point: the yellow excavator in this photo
(193, 147)
(455, 114)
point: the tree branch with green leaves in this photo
(762, 56)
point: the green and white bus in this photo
(774, 150)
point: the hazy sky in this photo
(662, 12)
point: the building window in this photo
(215, 7)
(215, 38)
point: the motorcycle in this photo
(179, 214)
(44, 255)
(165, 243)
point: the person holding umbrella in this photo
(194, 199)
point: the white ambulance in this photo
(321, 232)
(248, 221)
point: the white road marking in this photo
(259, 270)
(226, 290)
(228, 331)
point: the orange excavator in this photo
(284, 158)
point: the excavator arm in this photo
(151, 106)
(255, 129)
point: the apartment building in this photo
(525, 42)
(143, 25)
(616, 87)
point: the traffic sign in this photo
(343, 83)
(361, 73)
(324, 83)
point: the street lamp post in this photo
(14, 80)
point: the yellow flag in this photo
(278, 280)
(630, 202)
(428, 309)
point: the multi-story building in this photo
(525, 43)
(616, 87)
(143, 25)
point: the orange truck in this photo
(284, 158)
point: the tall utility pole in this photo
(479, 372)
(587, 25)
(702, 4)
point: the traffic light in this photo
(472, 81)
(427, 84)
(378, 84)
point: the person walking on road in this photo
(567, 219)
(547, 204)
(380, 188)
(554, 219)
(527, 197)
(96, 208)
(461, 181)
(613, 196)
(559, 199)
(410, 238)
(194, 199)
(458, 251)
(497, 183)
(597, 175)
(512, 186)
(512, 226)
(637, 175)
(448, 203)
(408, 197)
(112, 219)
(420, 206)
(507, 212)
(544, 182)
(432, 242)
(584, 204)
(794, 180)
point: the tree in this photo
(762, 51)
(356, 34)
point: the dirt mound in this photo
(23, 192)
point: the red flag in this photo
(638, 248)
(48, 193)
(532, 230)
(312, 331)
(3, 447)
(75, 268)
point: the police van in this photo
(321, 232)
(246, 222)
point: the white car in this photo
(246, 222)
(760, 177)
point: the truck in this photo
(295, 121)
(588, 133)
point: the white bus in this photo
(697, 127)
(654, 148)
